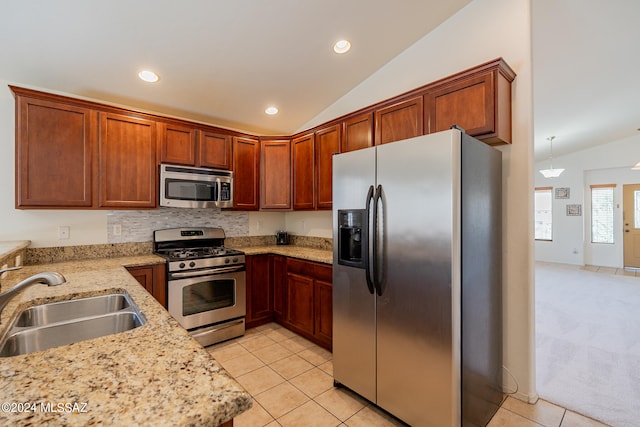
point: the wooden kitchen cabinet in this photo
(479, 102)
(357, 133)
(246, 173)
(55, 151)
(327, 143)
(259, 290)
(309, 300)
(399, 121)
(189, 146)
(279, 280)
(127, 162)
(154, 280)
(323, 306)
(275, 174)
(302, 174)
(214, 150)
(177, 144)
(300, 305)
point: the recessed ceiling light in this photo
(148, 76)
(271, 111)
(342, 46)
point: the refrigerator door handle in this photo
(367, 263)
(378, 241)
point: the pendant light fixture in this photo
(551, 172)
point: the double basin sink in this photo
(66, 322)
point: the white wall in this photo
(605, 164)
(482, 31)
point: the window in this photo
(543, 213)
(602, 213)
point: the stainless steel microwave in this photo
(188, 187)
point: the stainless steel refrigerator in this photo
(417, 309)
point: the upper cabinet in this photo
(127, 162)
(55, 149)
(303, 177)
(246, 173)
(398, 121)
(214, 150)
(357, 133)
(275, 174)
(478, 101)
(177, 144)
(190, 146)
(73, 153)
(327, 144)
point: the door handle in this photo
(626, 231)
(368, 234)
(377, 265)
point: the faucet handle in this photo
(4, 270)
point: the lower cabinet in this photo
(259, 291)
(295, 293)
(154, 280)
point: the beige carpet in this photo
(588, 342)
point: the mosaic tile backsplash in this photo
(138, 226)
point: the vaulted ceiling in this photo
(224, 62)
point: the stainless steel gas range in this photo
(206, 282)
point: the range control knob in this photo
(182, 265)
(192, 264)
(235, 259)
(227, 261)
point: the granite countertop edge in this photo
(156, 374)
(311, 254)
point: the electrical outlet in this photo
(117, 229)
(258, 225)
(303, 225)
(63, 232)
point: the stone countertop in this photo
(153, 375)
(310, 254)
(9, 247)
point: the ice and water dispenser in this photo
(352, 237)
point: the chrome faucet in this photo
(48, 278)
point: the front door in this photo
(631, 221)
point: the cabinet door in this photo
(246, 177)
(275, 174)
(357, 133)
(127, 155)
(300, 302)
(327, 144)
(214, 150)
(54, 151)
(153, 278)
(468, 104)
(259, 289)
(160, 284)
(323, 312)
(399, 121)
(302, 172)
(279, 279)
(177, 144)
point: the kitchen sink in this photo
(60, 323)
(62, 311)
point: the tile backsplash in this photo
(138, 226)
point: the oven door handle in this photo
(195, 273)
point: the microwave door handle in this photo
(218, 192)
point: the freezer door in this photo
(418, 358)
(354, 323)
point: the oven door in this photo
(203, 300)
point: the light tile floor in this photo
(291, 381)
